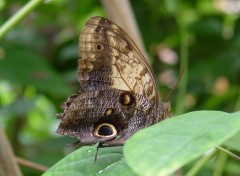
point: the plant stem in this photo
(219, 167)
(184, 45)
(237, 106)
(201, 162)
(8, 164)
(18, 16)
(228, 152)
(31, 164)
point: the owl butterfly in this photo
(119, 95)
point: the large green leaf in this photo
(163, 148)
(81, 163)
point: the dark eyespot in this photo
(127, 99)
(108, 112)
(99, 47)
(104, 130)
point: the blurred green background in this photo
(38, 63)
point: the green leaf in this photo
(233, 142)
(164, 147)
(120, 167)
(81, 163)
(28, 68)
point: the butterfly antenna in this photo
(175, 86)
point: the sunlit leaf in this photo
(169, 145)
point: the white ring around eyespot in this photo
(95, 131)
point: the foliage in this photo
(38, 62)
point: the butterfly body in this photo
(119, 94)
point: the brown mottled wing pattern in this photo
(119, 94)
(110, 59)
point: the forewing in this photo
(110, 59)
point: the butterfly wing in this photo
(119, 92)
(111, 59)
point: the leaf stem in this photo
(219, 167)
(228, 152)
(201, 162)
(18, 16)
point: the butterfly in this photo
(119, 95)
